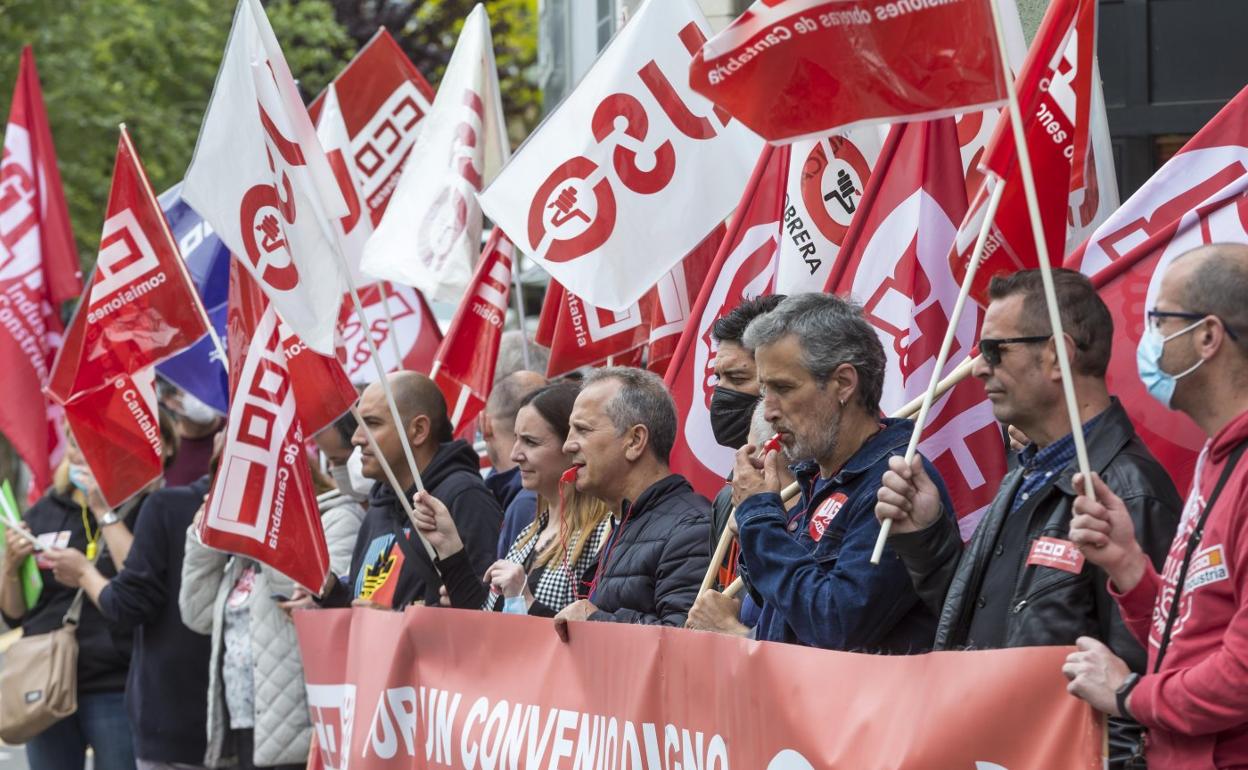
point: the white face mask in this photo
(350, 478)
(196, 411)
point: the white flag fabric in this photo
(261, 179)
(354, 229)
(632, 170)
(430, 235)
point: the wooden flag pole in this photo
(1042, 253)
(951, 333)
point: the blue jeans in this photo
(100, 723)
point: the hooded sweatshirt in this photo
(1196, 706)
(389, 565)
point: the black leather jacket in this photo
(1049, 606)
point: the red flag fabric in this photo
(1199, 197)
(670, 302)
(1055, 97)
(744, 268)
(395, 690)
(791, 69)
(38, 271)
(322, 391)
(141, 306)
(464, 365)
(894, 263)
(546, 320)
(415, 330)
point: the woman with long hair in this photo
(549, 565)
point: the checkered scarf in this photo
(556, 587)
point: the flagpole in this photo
(168, 235)
(524, 334)
(1042, 252)
(951, 333)
(394, 484)
(383, 287)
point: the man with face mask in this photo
(1018, 582)
(821, 367)
(1193, 695)
(342, 509)
(735, 397)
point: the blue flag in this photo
(198, 370)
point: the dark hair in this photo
(730, 327)
(643, 399)
(345, 427)
(168, 436)
(831, 331)
(554, 403)
(1084, 315)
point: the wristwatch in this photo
(110, 517)
(1123, 691)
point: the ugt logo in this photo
(264, 213)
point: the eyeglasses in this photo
(990, 347)
(1155, 317)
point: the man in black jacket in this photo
(620, 440)
(390, 567)
(1019, 582)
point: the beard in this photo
(819, 441)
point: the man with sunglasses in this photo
(1193, 696)
(1019, 582)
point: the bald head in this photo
(1213, 279)
(415, 395)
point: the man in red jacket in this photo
(1194, 696)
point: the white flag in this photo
(355, 228)
(430, 235)
(632, 170)
(261, 179)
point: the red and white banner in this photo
(895, 263)
(464, 365)
(1055, 96)
(391, 690)
(262, 504)
(1199, 197)
(433, 235)
(415, 330)
(38, 271)
(261, 179)
(549, 315)
(792, 69)
(744, 268)
(669, 305)
(631, 171)
(139, 308)
(382, 100)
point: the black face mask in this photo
(731, 412)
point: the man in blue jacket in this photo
(821, 368)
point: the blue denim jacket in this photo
(815, 573)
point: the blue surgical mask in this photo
(1160, 384)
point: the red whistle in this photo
(772, 444)
(569, 476)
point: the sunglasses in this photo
(1155, 317)
(991, 347)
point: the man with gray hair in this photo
(620, 439)
(821, 368)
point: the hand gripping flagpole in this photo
(1042, 252)
(929, 397)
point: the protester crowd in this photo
(581, 518)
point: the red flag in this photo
(464, 365)
(140, 307)
(415, 330)
(1199, 197)
(668, 304)
(38, 271)
(1055, 98)
(551, 303)
(894, 262)
(744, 268)
(322, 391)
(591, 336)
(791, 69)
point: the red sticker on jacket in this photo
(824, 515)
(1055, 553)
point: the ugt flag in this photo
(38, 271)
(262, 503)
(432, 234)
(744, 268)
(260, 177)
(631, 171)
(895, 263)
(1199, 197)
(791, 69)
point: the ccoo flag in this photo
(260, 177)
